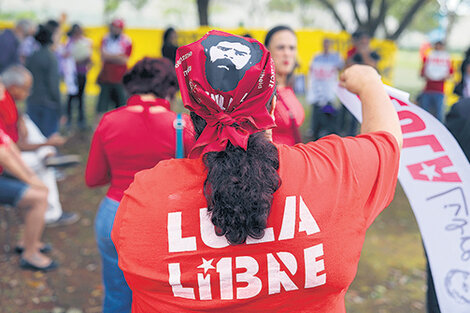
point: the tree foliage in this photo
(110, 6)
(371, 15)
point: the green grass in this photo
(407, 72)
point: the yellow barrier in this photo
(148, 42)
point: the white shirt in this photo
(323, 77)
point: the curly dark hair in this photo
(152, 75)
(240, 185)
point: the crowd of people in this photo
(232, 183)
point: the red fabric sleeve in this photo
(129, 49)
(4, 138)
(422, 67)
(97, 168)
(375, 160)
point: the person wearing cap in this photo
(245, 224)
(289, 113)
(127, 140)
(116, 48)
(436, 69)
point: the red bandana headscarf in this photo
(227, 80)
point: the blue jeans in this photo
(433, 102)
(45, 118)
(11, 190)
(117, 294)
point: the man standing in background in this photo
(322, 79)
(437, 67)
(116, 49)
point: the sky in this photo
(225, 14)
(160, 13)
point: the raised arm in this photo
(378, 113)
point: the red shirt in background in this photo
(126, 142)
(113, 72)
(436, 63)
(287, 104)
(331, 192)
(9, 116)
(4, 140)
(351, 52)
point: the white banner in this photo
(435, 175)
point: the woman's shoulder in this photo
(115, 115)
(171, 172)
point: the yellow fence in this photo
(148, 42)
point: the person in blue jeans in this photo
(43, 104)
(118, 296)
(436, 69)
(127, 140)
(433, 102)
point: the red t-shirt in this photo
(286, 105)
(331, 192)
(113, 72)
(126, 142)
(4, 140)
(436, 64)
(9, 116)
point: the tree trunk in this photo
(203, 11)
(407, 18)
(369, 4)
(356, 14)
(380, 19)
(332, 9)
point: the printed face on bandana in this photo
(228, 58)
(235, 52)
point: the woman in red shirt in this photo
(126, 141)
(248, 225)
(289, 113)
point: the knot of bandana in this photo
(221, 118)
(227, 80)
